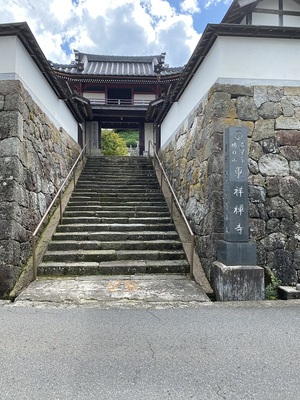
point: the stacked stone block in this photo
(34, 159)
(193, 159)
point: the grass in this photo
(271, 292)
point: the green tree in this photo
(131, 137)
(113, 144)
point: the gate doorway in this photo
(119, 96)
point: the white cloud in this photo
(61, 10)
(190, 6)
(120, 27)
(53, 45)
(209, 3)
(138, 27)
(161, 9)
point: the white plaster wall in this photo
(269, 4)
(20, 65)
(203, 79)
(259, 58)
(94, 95)
(8, 46)
(145, 97)
(148, 134)
(246, 61)
(269, 19)
(265, 19)
(290, 5)
(289, 20)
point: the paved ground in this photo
(232, 351)
(116, 291)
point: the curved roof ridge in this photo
(127, 58)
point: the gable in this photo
(264, 12)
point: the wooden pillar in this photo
(157, 137)
(80, 136)
(99, 134)
(141, 138)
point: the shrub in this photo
(113, 144)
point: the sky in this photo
(116, 27)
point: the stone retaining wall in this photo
(193, 159)
(34, 159)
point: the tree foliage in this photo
(131, 137)
(113, 144)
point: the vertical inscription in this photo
(94, 135)
(235, 184)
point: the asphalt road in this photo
(215, 351)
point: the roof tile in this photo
(94, 64)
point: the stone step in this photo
(95, 225)
(71, 245)
(118, 208)
(125, 175)
(119, 172)
(116, 235)
(118, 166)
(102, 164)
(117, 179)
(124, 213)
(127, 189)
(128, 161)
(112, 255)
(98, 187)
(112, 182)
(116, 222)
(124, 267)
(115, 203)
(118, 159)
(120, 182)
(126, 170)
(118, 196)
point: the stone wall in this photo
(34, 159)
(193, 159)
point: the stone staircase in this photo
(116, 223)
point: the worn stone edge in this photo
(198, 271)
(26, 276)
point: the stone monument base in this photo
(236, 253)
(237, 283)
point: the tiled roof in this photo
(133, 66)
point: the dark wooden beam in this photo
(278, 12)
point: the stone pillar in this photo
(235, 275)
(92, 134)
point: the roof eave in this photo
(86, 77)
(211, 33)
(23, 32)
